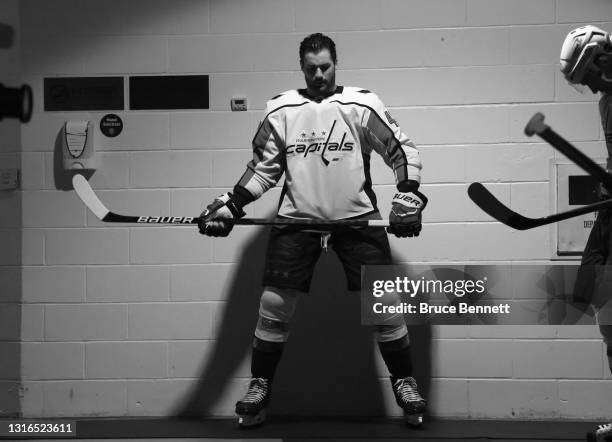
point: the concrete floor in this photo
(325, 430)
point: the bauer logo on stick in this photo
(165, 219)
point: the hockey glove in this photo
(405, 216)
(214, 220)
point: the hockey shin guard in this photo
(396, 355)
(265, 358)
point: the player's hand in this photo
(405, 216)
(216, 219)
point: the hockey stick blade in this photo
(88, 197)
(95, 205)
(536, 126)
(493, 207)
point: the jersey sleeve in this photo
(267, 165)
(397, 150)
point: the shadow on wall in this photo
(10, 280)
(328, 367)
(10, 305)
(7, 36)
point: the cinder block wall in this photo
(10, 221)
(122, 320)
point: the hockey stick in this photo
(495, 208)
(93, 203)
(536, 126)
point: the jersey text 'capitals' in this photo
(311, 142)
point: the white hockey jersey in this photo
(324, 148)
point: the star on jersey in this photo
(311, 135)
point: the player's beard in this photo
(321, 87)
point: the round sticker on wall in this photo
(111, 125)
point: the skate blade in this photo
(246, 420)
(414, 420)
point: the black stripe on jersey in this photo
(271, 112)
(364, 91)
(260, 139)
(397, 145)
(397, 142)
(265, 131)
(368, 180)
(282, 196)
(245, 178)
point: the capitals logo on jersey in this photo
(322, 143)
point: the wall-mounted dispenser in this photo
(78, 145)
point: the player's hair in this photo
(315, 43)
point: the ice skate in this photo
(251, 410)
(408, 397)
(602, 433)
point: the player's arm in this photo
(605, 111)
(261, 174)
(400, 153)
(396, 149)
(586, 59)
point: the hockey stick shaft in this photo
(93, 203)
(310, 223)
(496, 209)
(573, 212)
(537, 126)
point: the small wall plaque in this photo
(169, 92)
(83, 93)
(111, 125)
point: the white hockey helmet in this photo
(586, 58)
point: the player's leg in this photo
(394, 345)
(289, 266)
(602, 296)
(594, 256)
(603, 433)
(606, 333)
(370, 246)
(600, 264)
(276, 308)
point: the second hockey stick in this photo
(537, 126)
(495, 208)
(93, 203)
(498, 210)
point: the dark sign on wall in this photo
(83, 93)
(169, 92)
(582, 190)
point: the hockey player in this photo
(586, 59)
(321, 138)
